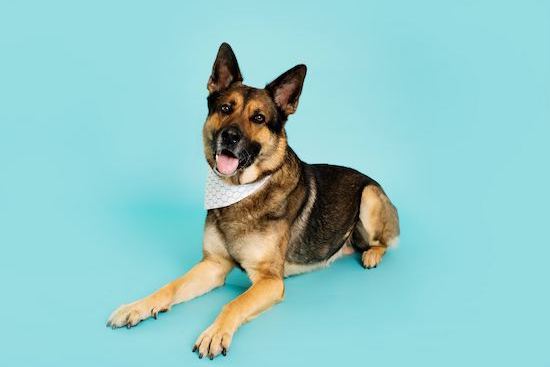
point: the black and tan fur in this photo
(303, 218)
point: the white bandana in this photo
(219, 194)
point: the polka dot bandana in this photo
(219, 194)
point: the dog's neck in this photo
(219, 193)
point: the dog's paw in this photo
(214, 340)
(132, 314)
(372, 257)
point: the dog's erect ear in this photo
(225, 70)
(286, 89)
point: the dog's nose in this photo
(231, 136)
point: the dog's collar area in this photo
(219, 194)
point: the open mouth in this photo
(226, 162)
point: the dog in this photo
(296, 217)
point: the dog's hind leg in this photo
(378, 224)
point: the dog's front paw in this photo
(214, 340)
(132, 314)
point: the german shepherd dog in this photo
(304, 217)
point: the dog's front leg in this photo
(203, 277)
(266, 290)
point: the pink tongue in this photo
(226, 164)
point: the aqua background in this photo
(446, 103)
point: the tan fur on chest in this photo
(256, 250)
(258, 247)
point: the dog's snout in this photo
(231, 136)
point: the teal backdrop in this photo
(446, 103)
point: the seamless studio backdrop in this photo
(446, 103)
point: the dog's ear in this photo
(286, 89)
(225, 70)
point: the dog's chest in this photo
(250, 244)
(250, 250)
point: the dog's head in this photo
(244, 134)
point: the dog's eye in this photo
(226, 108)
(258, 118)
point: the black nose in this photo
(231, 136)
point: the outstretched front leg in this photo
(266, 290)
(203, 277)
